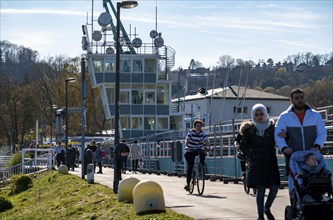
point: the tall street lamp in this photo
(51, 111)
(123, 4)
(66, 116)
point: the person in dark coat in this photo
(118, 150)
(88, 158)
(246, 124)
(258, 145)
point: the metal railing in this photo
(29, 165)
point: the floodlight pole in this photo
(124, 4)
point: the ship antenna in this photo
(156, 16)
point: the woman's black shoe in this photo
(261, 217)
(269, 214)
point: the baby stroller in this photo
(310, 190)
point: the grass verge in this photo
(55, 196)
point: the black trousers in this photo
(135, 165)
(243, 165)
(190, 156)
(99, 167)
(117, 167)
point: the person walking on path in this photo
(118, 150)
(58, 153)
(99, 157)
(93, 148)
(258, 145)
(303, 128)
(135, 155)
(196, 140)
(124, 152)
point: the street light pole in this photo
(51, 111)
(123, 4)
(83, 113)
(66, 116)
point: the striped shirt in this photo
(194, 140)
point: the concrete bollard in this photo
(63, 169)
(125, 190)
(148, 197)
(90, 173)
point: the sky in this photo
(200, 30)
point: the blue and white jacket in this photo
(300, 137)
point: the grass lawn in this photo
(55, 196)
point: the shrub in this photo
(5, 204)
(21, 183)
(17, 158)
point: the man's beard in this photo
(299, 106)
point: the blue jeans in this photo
(270, 198)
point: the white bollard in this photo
(90, 173)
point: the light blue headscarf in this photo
(260, 126)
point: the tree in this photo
(226, 61)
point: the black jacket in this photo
(260, 151)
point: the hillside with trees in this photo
(31, 86)
(313, 73)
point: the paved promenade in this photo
(219, 200)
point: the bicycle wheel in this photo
(200, 179)
(192, 184)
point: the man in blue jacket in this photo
(304, 127)
(299, 128)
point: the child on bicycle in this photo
(195, 143)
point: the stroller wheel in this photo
(288, 213)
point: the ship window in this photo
(125, 65)
(110, 94)
(137, 66)
(137, 123)
(150, 66)
(149, 123)
(98, 66)
(124, 97)
(109, 66)
(125, 123)
(163, 94)
(162, 123)
(149, 97)
(137, 96)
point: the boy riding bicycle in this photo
(195, 143)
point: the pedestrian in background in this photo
(119, 148)
(58, 153)
(99, 157)
(93, 148)
(135, 155)
(124, 152)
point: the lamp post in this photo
(51, 109)
(66, 115)
(123, 4)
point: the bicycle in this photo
(198, 177)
